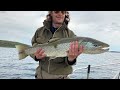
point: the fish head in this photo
(93, 46)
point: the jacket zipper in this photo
(49, 58)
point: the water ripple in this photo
(12, 68)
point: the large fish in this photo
(58, 47)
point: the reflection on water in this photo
(103, 66)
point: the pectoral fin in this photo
(52, 57)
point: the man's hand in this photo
(40, 54)
(74, 51)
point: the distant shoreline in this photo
(9, 44)
(115, 51)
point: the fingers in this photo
(74, 50)
(40, 54)
(80, 50)
(43, 55)
(71, 49)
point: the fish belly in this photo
(56, 51)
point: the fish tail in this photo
(21, 51)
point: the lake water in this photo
(103, 66)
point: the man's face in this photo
(58, 16)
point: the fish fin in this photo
(55, 45)
(53, 40)
(21, 51)
(52, 57)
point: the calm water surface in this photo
(103, 66)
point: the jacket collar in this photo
(47, 25)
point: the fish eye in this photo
(95, 45)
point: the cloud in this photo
(102, 25)
(20, 24)
(95, 16)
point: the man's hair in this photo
(67, 17)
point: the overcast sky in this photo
(102, 25)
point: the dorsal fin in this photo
(53, 40)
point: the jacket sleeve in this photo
(70, 62)
(71, 33)
(34, 43)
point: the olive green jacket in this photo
(58, 66)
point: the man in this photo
(55, 26)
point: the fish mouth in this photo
(104, 48)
